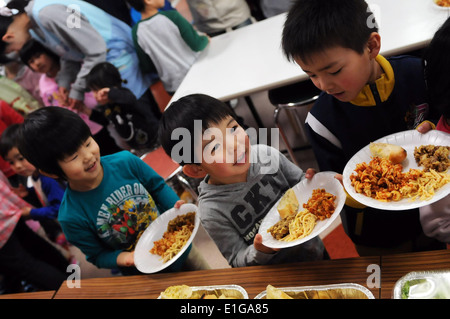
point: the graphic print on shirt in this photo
(125, 214)
(258, 201)
(416, 115)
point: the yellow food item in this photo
(396, 154)
(274, 293)
(301, 226)
(288, 204)
(177, 292)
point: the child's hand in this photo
(310, 172)
(63, 96)
(75, 104)
(102, 96)
(257, 243)
(424, 127)
(179, 203)
(339, 177)
(125, 259)
(26, 212)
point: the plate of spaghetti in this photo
(166, 239)
(420, 179)
(320, 200)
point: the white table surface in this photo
(250, 59)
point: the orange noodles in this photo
(384, 181)
(178, 233)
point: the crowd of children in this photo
(71, 163)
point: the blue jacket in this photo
(54, 193)
(337, 130)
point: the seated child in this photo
(24, 255)
(44, 192)
(165, 42)
(241, 182)
(435, 218)
(102, 192)
(42, 60)
(365, 97)
(129, 121)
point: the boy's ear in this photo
(54, 176)
(374, 44)
(193, 170)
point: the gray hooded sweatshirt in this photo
(232, 213)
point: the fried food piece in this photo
(288, 204)
(274, 293)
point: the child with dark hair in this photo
(82, 35)
(165, 42)
(44, 193)
(241, 182)
(365, 97)
(129, 121)
(109, 200)
(42, 60)
(435, 218)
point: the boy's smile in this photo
(83, 169)
(342, 72)
(225, 152)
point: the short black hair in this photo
(437, 68)
(182, 115)
(50, 134)
(103, 75)
(138, 5)
(9, 139)
(33, 48)
(5, 21)
(313, 26)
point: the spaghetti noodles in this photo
(178, 233)
(301, 226)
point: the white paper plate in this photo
(303, 191)
(434, 4)
(147, 262)
(408, 140)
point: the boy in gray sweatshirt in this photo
(241, 182)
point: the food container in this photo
(219, 291)
(423, 285)
(337, 291)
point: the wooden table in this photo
(253, 279)
(396, 266)
(30, 295)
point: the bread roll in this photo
(396, 154)
(288, 204)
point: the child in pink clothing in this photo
(49, 94)
(42, 60)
